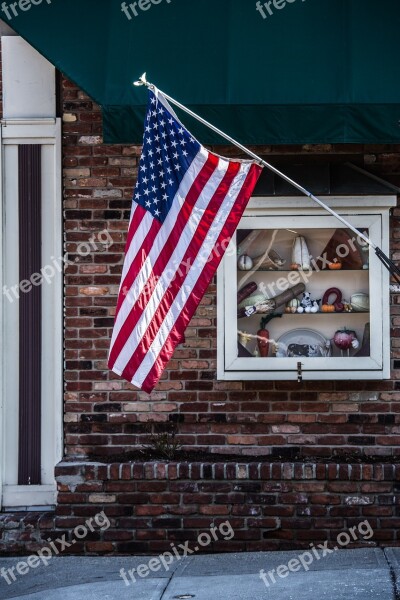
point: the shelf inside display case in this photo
(293, 270)
(318, 314)
(303, 290)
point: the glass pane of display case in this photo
(302, 293)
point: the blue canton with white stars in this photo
(168, 151)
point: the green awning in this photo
(313, 71)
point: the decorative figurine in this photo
(263, 338)
(337, 304)
(300, 254)
(245, 263)
(293, 306)
(344, 339)
(347, 306)
(306, 301)
(308, 305)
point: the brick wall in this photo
(150, 506)
(269, 506)
(105, 415)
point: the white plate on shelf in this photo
(302, 343)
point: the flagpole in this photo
(389, 264)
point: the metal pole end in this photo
(141, 81)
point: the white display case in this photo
(285, 257)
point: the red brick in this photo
(99, 547)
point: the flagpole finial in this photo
(141, 81)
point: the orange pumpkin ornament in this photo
(327, 308)
(335, 265)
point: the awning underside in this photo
(312, 72)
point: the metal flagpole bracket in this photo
(143, 81)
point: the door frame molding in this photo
(47, 133)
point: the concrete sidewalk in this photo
(361, 574)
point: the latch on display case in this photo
(299, 373)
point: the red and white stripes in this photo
(169, 266)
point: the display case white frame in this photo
(370, 212)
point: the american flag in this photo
(186, 206)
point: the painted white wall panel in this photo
(26, 75)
